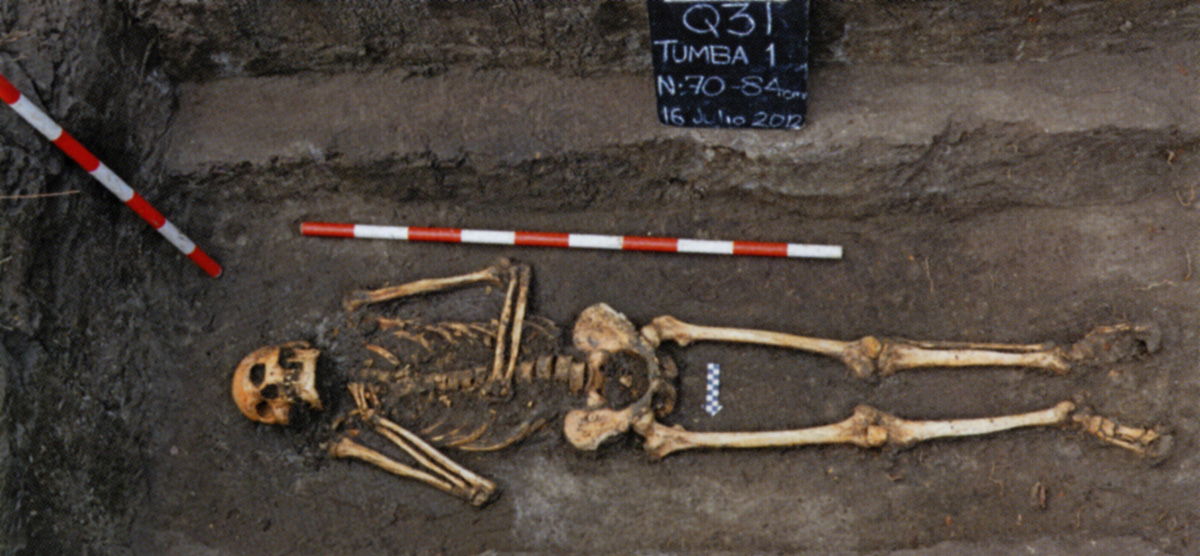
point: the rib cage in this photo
(435, 378)
(562, 369)
(411, 357)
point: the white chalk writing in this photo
(730, 64)
(675, 52)
(724, 18)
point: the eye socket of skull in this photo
(273, 379)
(258, 373)
(287, 358)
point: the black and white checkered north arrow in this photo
(712, 389)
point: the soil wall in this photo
(72, 453)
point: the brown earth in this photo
(1013, 171)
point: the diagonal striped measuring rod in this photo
(42, 122)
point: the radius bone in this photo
(346, 448)
(439, 470)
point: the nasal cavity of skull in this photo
(270, 392)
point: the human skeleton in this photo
(484, 386)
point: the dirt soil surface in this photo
(996, 171)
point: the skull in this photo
(268, 382)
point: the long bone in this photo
(871, 428)
(871, 356)
(516, 301)
(440, 471)
(346, 448)
(493, 275)
(524, 274)
(481, 491)
(494, 385)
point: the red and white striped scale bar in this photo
(577, 241)
(64, 141)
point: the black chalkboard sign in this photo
(730, 64)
